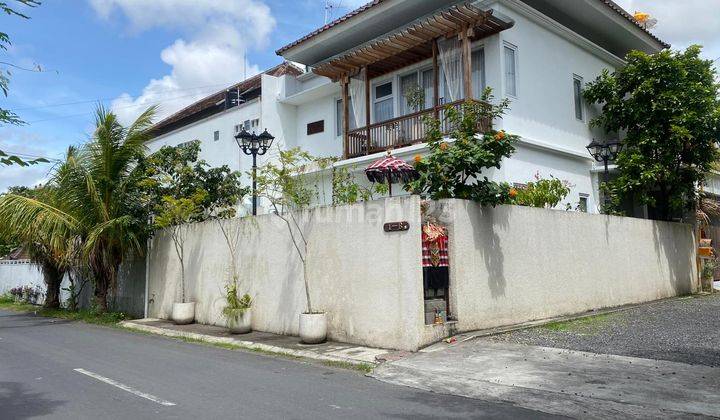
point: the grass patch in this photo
(362, 367)
(84, 315)
(585, 325)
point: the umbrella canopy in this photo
(391, 170)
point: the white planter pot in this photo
(183, 313)
(313, 328)
(240, 324)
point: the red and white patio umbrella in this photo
(391, 170)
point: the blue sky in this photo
(129, 54)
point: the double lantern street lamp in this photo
(605, 152)
(255, 145)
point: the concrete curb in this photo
(249, 345)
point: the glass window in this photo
(510, 71)
(383, 90)
(216, 136)
(407, 83)
(577, 92)
(478, 72)
(383, 106)
(583, 203)
(339, 116)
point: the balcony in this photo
(401, 131)
(445, 37)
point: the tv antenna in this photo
(329, 7)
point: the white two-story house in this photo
(350, 99)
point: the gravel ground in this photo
(682, 330)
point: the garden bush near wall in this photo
(26, 294)
(543, 193)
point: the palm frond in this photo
(29, 220)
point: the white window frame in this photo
(587, 202)
(517, 70)
(483, 74)
(392, 96)
(583, 112)
(338, 116)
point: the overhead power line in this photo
(166, 100)
(31, 156)
(86, 101)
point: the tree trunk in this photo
(102, 286)
(52, 275)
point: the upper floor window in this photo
(422, 80)
(577, 93)
(478, 72)
(383, 102)
(216, 136)
(510, 62)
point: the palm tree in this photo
(52, 260)
(99, 200)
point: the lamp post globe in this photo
(605, 152)
(253, 144)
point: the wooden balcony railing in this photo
(399, 132)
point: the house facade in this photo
(347, 93)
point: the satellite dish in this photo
(645, 20)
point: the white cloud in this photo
(217, 37)
(683, 23)
(15, 140)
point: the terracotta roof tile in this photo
(611, 4)
(330, 25)
(210, 101)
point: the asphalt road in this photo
(68, 370)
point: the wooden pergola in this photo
(411, 44)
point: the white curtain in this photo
(449, 53)
(357, 98)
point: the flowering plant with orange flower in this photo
(456, 169)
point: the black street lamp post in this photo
(605, 152)
(255, 145)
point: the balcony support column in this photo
(344, 82)
(367, 110)
(465, 35)
(436, 79)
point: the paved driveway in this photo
(681, 330)
(519, 368)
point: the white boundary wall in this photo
(513, 264)
(367, 280)
(508, 265)
(14, 273)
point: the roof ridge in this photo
(609, 3)
(277, 70)
(327, 26)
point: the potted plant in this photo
(278, 184)
(185, 190)
(237, 310)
